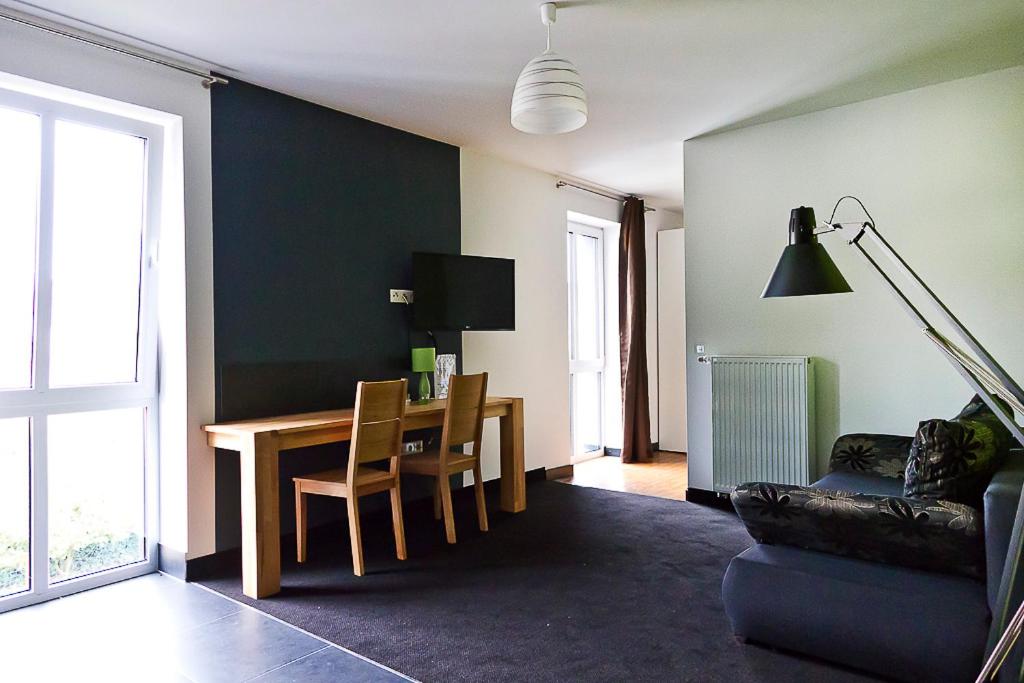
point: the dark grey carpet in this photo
(586, 585)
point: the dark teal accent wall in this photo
(316, 215)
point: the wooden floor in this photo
(665, 477)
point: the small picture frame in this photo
(444, 368)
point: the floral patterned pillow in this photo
(939, 536)
(955, 459)
(879, 454)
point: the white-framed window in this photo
(79, 224)
(585, 248)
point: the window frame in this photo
(40, 400)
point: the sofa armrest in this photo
(933, 535)
(884, 455)
(1001, 499)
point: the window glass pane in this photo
(96, 494)
(588, 298)
(14, 497)
(19, 200)
(586, 411)
(99, 191)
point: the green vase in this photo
(424, 387)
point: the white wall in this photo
(511, 211)
(941, 169)
(187, 390)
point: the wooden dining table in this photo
(259, 443)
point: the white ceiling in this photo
(657, 72)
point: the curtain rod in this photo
(617, 197)
(208, 79)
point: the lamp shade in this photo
(423, 359)
(805, 267)
(549, 96)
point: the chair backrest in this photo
(377, 422)
(464, 412)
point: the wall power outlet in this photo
(400, 296)
(410, 447)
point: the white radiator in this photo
(762, 419)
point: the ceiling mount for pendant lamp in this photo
(549, 97)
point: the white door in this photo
(671, 341)
(586, 339)
(79, 200)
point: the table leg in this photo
(513, 467)
(261, 517)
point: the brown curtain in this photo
(636, 411)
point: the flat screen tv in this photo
(452, 292)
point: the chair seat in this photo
(330, 480)
(429, 462)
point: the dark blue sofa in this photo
(904, 624)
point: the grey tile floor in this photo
(156, 628)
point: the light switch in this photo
(700, 348)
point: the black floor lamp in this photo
(806, 268)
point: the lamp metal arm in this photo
(1002, 649)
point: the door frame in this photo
(597, 365)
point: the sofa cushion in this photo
(896, 622)
(955, 459)
(883, 455)
(939, 536)
(860, 483)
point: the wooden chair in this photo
(463, 423)
(376, 435)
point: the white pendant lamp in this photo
(549, 97)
